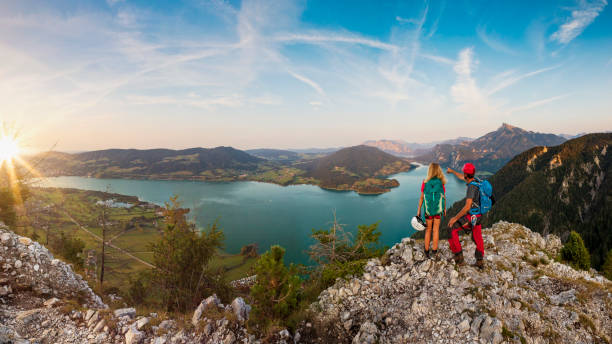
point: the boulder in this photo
(563, 297)
(212, 300)
(133, 336)
(490, 331)
(6, 239)
(368, 333)
(240, 309)
(29, 316)
(125, 312)
(51, 302)
(25, 241)
(100, 325)
(141, 323)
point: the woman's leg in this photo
(436, 233)
(428, 233)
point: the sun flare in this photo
(9, 149)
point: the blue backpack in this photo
(486, 195)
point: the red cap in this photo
(469, 168)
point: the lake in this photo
(269, 214)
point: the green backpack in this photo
(434, 197)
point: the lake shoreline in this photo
(266, 214)
(381, 190)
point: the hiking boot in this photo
(479, 264)
(435, 255)
(458, 258)
(427, 254)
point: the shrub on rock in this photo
(275, 294)
(575, 253)
(606, 268)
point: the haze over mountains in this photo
(410, 149)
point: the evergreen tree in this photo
(182, 275)
(70, 248)
(275, 294)
(606, 268)
(575, 253)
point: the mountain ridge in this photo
(491, 151)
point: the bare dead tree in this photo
(332, 245)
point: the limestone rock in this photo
(208, 302)
(133, 336)
(240, 309)
(25, 241)
(563, 297)
(141, 323)
(125, 312)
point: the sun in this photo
(9, 149)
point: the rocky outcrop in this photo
(521, 296)
(26, 266)
(42, 300)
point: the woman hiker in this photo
(433, 193)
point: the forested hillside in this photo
(357, 168)
(559, 189)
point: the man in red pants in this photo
(468, 218)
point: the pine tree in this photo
(575, 253)
(182, 275)
(606, 268)
(275, 294)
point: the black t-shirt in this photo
(473, 193)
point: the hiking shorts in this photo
(433, 217)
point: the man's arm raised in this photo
(457, 174)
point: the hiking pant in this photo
(464, 223)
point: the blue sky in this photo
(291, 74)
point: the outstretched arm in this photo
(457, 174)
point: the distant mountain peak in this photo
(508, 126)
(491, 151)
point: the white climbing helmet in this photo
(418, 223)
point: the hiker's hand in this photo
(451, 222)
(444, 212)
(449, 170)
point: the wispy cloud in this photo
(580, 18)
(327, 37)
(308, 82)
(511, 80)
(407, 20)
(536, 103)
(439, 59)
(493, 41)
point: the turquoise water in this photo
(268, 214)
